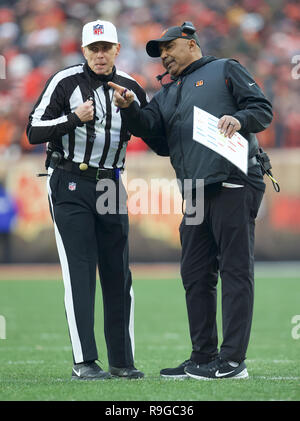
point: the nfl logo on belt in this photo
(72, 186)
(98, 29)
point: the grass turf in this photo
(36, 360)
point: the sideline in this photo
(32, 272)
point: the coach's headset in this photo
(188, 28)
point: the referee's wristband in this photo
(74, 121)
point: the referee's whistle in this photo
(83, 166)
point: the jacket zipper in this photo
(178, 98)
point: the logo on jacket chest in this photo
(72, 186)
(199, 83)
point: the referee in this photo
(76, 116)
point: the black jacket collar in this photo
(98, 80)
(195, 65)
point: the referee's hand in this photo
(122, 96)
(85, 111)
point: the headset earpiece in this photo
(188, 28)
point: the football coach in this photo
(223, 243)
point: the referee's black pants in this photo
(84, 239)
(223, 244)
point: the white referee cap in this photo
(99, 30)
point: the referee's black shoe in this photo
(177, 372)
(126, 372)
(218, 369)
(89, 371)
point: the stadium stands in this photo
(41, 36)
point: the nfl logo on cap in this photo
(98, 29)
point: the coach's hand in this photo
(228, 125)
(85, 111)
(122, 96)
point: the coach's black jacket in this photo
(224, 87)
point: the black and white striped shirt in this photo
(99, 143)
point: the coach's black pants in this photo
(84, 239)
(222, 244)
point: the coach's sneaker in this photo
(218, 369)
(177, 372)
(89, 371)
(126, 372)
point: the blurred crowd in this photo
(39, 37)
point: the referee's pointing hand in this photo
(122, 96)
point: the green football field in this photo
(36, 360)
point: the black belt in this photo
(92, 173)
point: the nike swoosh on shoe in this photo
(218, 374)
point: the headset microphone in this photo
(160, 77)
